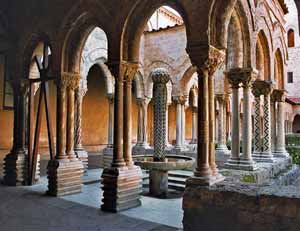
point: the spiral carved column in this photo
(79, 150)
(66, 171)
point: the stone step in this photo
(289, 177)
(177, 180)
(177, 187)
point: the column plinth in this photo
(16, 162)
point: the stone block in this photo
(64, 177)
(121, 188)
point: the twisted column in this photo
(72, 83)
(79, 94)
(61, 120)
(160, 78)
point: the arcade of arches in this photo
(224, 69)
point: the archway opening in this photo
(296, 124)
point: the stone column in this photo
(142, 126)
(235, 123)
(177, 101)
(79, 150)
(183, 142)
(212, 126)
(108, 151)
(127, 128)
(273, 123)
(194, 125)
(264, 88)
(246, 161)
(257, 136)
(116, 195)
(159, 178)
(15, 163)
(221, 145)
(280, 150)
(65, 172)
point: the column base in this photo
(158, 186)
(121, 188)
(15, 169)
(204, 181)
(64, 177)
(281, 153)
(83, 156)
(263, 157)
(107, 157)
(241, 164)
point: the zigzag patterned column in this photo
(257, 146)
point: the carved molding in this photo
(261, 87)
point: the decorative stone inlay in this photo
(160, 78)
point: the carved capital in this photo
(160, 76)
(204, 56)
(129, 69)
(278, 96)
(261, 87)
(69, 80)
(244, 76)
(182, 99)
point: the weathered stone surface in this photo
(64, 177)
(121, 188)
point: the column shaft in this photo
(257, 143)
(235, 125)
(127, 132)
(70, 124)
(110, 121)
(194, 125)
(178, 125)
(280, 149)
(202, 167)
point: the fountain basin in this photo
(158, 186)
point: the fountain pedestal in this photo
(158, 183)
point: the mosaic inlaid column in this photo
(264, 88)
(280, 150)
(15, 163)
(78, 148)
(257, 136)
(273, 123)
(66, 169)
(159, 178)
(221, 139)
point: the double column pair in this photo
(241, 78)
(66, 170)
(121, 182)
(206, 172)
(180, 102)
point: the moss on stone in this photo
(248, 179)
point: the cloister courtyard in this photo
(150, 115)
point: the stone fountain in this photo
(159, 164)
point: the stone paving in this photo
(28, 209)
